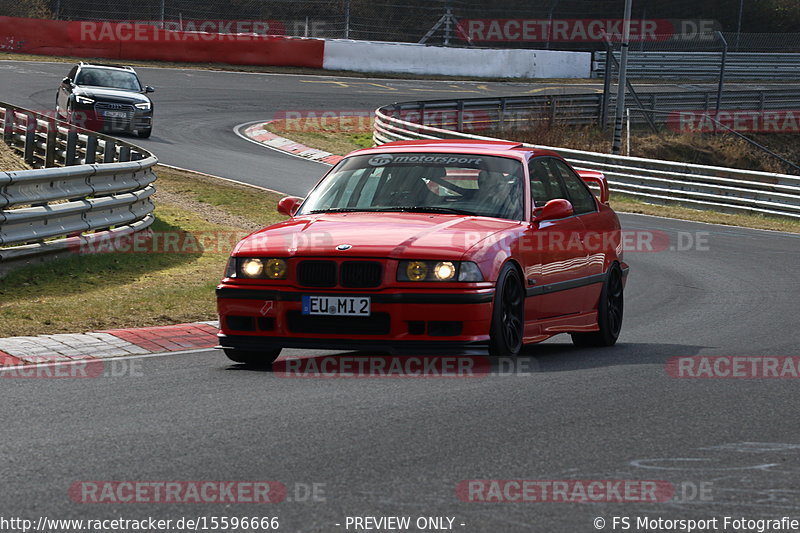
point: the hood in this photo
(395, 235)
(107, 94)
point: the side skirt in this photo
(544, 329)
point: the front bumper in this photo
(89, 117)
(400, 320)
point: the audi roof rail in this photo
(106, 65)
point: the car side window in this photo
(73, 73)
(545, 183)
(580, 196)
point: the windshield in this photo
(423, 182)
(117, 79)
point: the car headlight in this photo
(252, 267)
(84, 100)
(256, 268)
(143, 105)
(463, 271)
(416, 270)
(444, 271)
(275, 269)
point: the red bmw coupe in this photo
(429, 246)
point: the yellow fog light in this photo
(417, 271)
(252, 268)
(275, 269)
(444, 271)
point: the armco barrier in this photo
(472, 115)
(145, 42)
(103, 188)
(697, 186)
(756, 66)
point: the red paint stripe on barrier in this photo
(145, 42)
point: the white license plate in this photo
(336, 305)
(115, 114)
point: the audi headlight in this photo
(257, 268)
(143, 105)
(463, 271)
(84, 100)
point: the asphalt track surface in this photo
(399, 447)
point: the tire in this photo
(508, 314)
(252, 358)
(610, 309)
(144, 134)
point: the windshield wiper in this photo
(429, 209)
(343, 210)
(408, 209)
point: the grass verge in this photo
(114, 290)
(626, 204)
(322, 136)
(9, 160)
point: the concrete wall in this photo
(368, 56)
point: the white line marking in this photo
(785, 233)
(224, 179)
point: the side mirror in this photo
(149, 89)
(553, 210)
(67, 81)
(289, 205)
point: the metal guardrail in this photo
(698, 186)
(85, 187)
(474, 115)
(706, 65)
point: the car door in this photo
(596, 237)
(64, 91)
(553, 252)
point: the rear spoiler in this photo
(593, 176)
